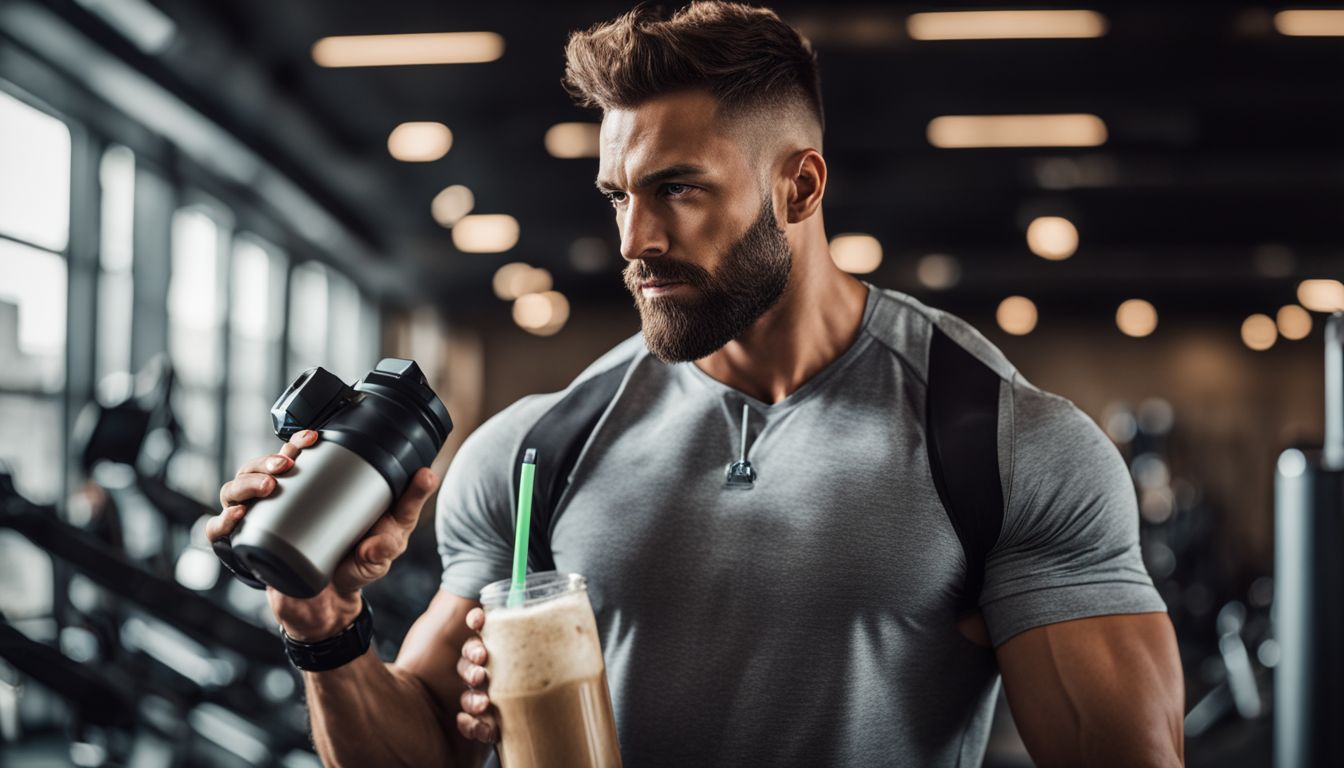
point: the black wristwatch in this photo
(336, 651)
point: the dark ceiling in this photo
(1224, 137)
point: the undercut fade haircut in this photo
(745, 56)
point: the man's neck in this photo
(816, 319)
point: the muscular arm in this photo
(403, 713)
(1099, 691)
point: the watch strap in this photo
(335, 651)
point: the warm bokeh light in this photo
(419, 142)
(401, 50)
(516, 279)
(1294, 322)
(1016, 315)
(1321, 295)
(970, 131)
(1136, 318)
(1259, 332)
(856, 254)
(1320, 22)
(485, 233)
(1052, 237)
(1002, 25)
(450, 205)
(570, 140)
(938, 271)
(543, 314)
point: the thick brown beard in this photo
(727, 302)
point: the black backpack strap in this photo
(558, 437)
(962, 421)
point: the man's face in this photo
(706, 256)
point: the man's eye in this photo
(676, 190)
(615, 198)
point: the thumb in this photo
(407, 509)
(368, 563)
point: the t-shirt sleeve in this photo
(473, 518)
(1069, 545)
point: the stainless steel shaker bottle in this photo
(374, 436)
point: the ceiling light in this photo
(1321, 295)
(1136, 318)
(399, 50)
(1259, 332)
(451, 205)
(569, 140)
(543, 314)
(506, 277)
(419, 142)
(485, 233)
(1016, 315)
(938, 271)
(1294, 322)
(517, 279)
(1052, 237)
(856, 254)
(971, 131)
(1001, 25)
(1310, 23)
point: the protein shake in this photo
(547, 678)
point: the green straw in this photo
(523, 526)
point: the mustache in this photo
(664, 269)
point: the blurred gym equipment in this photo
(1309, 595)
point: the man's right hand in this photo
(335, 607)
(477, 719)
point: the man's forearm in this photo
(370, 713)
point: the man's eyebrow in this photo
(654, 177)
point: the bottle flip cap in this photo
(309, 401)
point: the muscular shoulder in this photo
(1058, 453)
(1042, 436)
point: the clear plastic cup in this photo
(547, 679)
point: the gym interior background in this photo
(1138, 202)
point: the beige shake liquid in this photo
(549, 684)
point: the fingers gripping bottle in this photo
(374, 437)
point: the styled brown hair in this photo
(745, 56)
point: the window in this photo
(331, 324)
(32, 319)
(352, 348)
(115, 288)
(34, 175)
(32, 368)
(34, 228)
(256, 324)
(195, 345)
(308, 318)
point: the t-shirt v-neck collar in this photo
(809, 387)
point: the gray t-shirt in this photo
(810, 620)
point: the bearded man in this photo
(837, 613)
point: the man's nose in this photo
(642, 234)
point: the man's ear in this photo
(807, 184)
